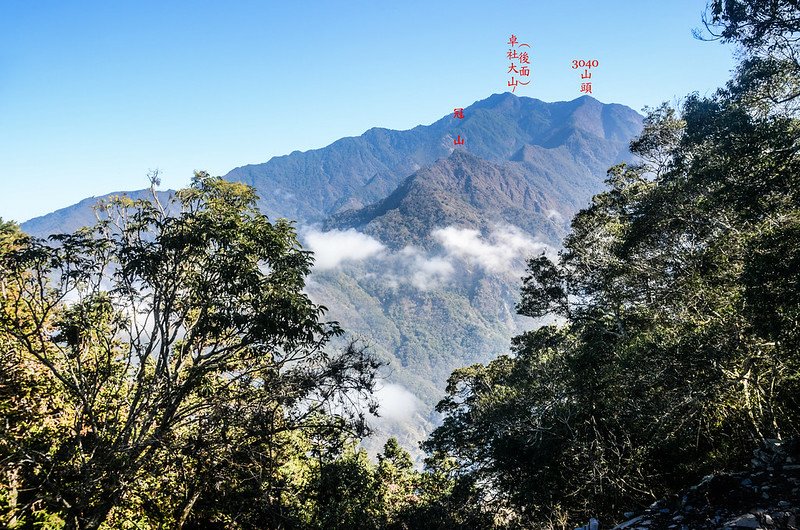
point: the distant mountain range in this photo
(420, 244)
(569, 141)
(567, 146)
(69, 219)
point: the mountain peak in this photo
(460, 190)
(461, 156)
(503, 100)
(510, 100)
(356, 171)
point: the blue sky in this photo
(94, 94)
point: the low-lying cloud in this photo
(337, 246)
(426, 272)
(502, 250)
(497, 252)
(396, 402)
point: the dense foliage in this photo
(677, 293)
(164, 367)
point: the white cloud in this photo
(334, 247)
(497, 252)
(502, 251)
(430, 273)
(426, 272)
(396, 402)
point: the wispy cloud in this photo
(337, 246)
(502, 250)
(424, 271)
(497, 252)
(396, 402)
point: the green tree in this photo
(677, 290)
(184, 354)
(399, 483)
(29, 406)
(348, 494)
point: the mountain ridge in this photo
(356, 171)
(380, 159)
(460, 190)
(70, 218)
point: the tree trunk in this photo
(187, 509)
